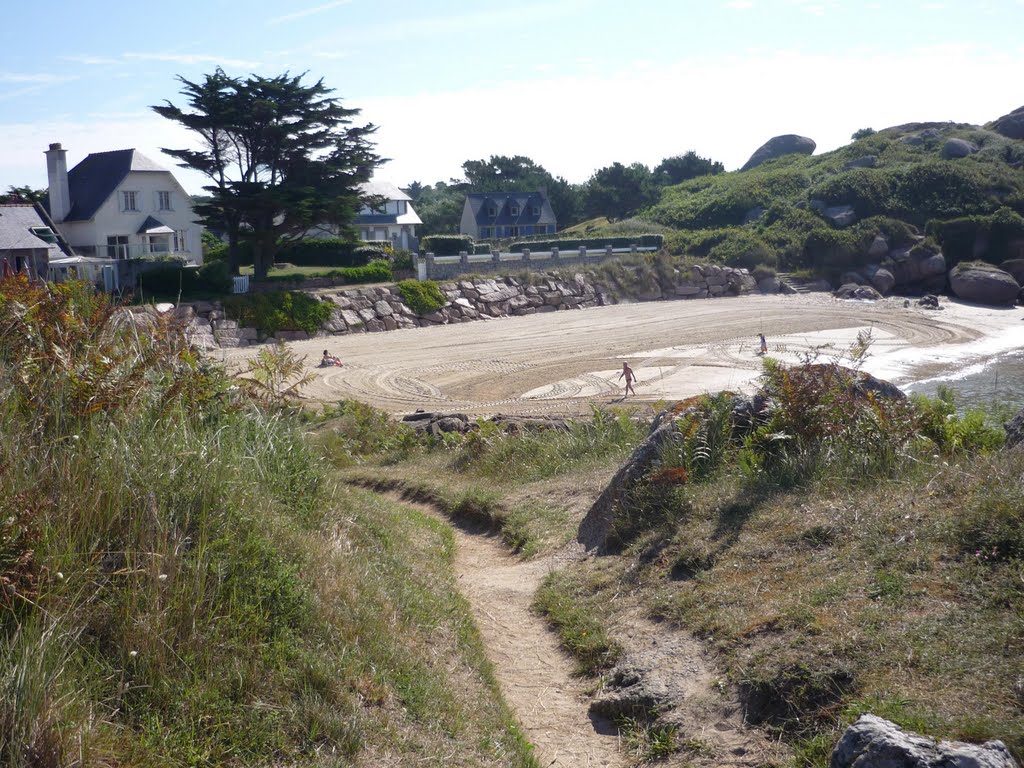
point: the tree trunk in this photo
(263, 255)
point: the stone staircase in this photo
(789, 283)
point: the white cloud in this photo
(193, 58)
(710, 105)
(307, 12)
(90, 60)
(39, 78)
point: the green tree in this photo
(281, 156)
(618, 190)
(680, 168)
(521, 174)
(23, 194)
(863, 133)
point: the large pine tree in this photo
(281, 157)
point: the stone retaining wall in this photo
(372, 310)
(447, 268)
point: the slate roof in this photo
(153, 226)
(16, 220)
(503, 202)
(96, 178)
(382, 189)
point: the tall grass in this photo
(168, 595)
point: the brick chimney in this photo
(57, 174)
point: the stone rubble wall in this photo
(372, 310)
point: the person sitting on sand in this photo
(628, 373)
(329, 360)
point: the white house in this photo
(393, 219)
(121, 205)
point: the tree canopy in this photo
(281, 157)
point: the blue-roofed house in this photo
(501, 215)
(121, 205)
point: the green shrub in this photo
(833, 250)
(953, 432)
(447, 245)
(171, 278)
(402, 260)
(961, 237)
(422, 296)
(364, 254)
(279, 311)
(215, 277)
(866, 189)
(743, 248)
(480, 249)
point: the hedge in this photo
(447, 245)
(332, 252)
(171, 278)
(377, 271)
(643, 241)
(480, 249)
(279, 311)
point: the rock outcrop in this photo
(956, 148)
(854, 291)
(872, 742)
(1011, 125)
(983, 284)
(778, 146)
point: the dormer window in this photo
(44, 233)
(515, 210)
(130, 202)
(535, 210)
(492, 211)
(163, 201)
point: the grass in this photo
(182, 584)
(564, 602)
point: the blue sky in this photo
(574, 84)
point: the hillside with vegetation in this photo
(939, 187)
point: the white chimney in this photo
(57, 174)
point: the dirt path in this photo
(535, 676)
(562, 362)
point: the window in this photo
(130, 201)
(117, 247)
(44, 233)
(159, 243)
(485, 232)
(492, 211)
(515, 210)
(512, 231)
(181, 241)
(403, 207)
(535, 210)
(163, 201)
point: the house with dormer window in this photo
(503, 215)
(121, 205)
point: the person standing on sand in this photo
(764, 345)
(630, 378)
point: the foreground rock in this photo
(872, 742)
(984, 284)
(778, 146)
(1015, 431)
(854, 291)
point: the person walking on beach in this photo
(630, 378)
(764, 345)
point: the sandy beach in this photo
(563, 362)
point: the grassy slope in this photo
(896, 592)
(182, 586)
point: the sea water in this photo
(995, 383)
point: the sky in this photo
(573, 84)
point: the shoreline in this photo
(565, 362)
